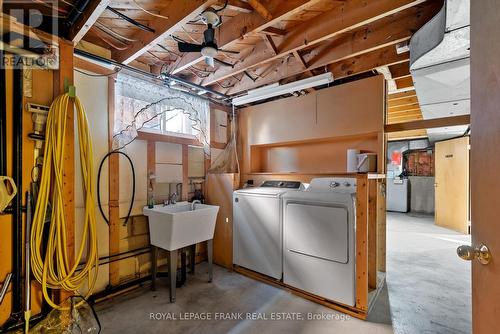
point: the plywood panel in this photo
(220, 192)
(452, 184)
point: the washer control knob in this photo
(334, 184)
(281, 184)
(346, 184)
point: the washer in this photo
(319, 239)
(257, 227)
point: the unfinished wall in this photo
(93, 93)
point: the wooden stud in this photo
(362, 244)
(372, 234)
(114, 189)
(381, 225)
(62, 78)
(185, 172)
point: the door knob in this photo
(481, 253)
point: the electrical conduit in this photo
(54, 270)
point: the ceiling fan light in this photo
(209, 51)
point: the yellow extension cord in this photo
(55, 271)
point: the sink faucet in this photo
(173, 198)
(193, 203)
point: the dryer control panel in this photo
(337, 184)
(281, 184)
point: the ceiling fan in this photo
(208, 48)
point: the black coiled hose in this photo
(99, 188)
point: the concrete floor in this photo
(427, 291)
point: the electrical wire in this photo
(148, 12)
(54, 268)
(113, 33)
(99, 75)
(99, 188)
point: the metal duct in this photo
(440, 66)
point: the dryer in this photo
(319, 226)
(257, 227)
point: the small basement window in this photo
(146, 106)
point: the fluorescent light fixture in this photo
(277, 90)
(109, 66)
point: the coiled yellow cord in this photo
(55, 271)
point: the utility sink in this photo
(176, 226)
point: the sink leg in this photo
(210, 250)
(154, 266)
(172, 273)
(192, 258)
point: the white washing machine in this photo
(319, 227)
(258, 229)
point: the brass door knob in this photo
(481, 253)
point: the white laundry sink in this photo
(176, 226)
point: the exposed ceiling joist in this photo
(347, 67)
(239, 6)
(179, 12)
(402, 102)
(351, 15)
(261, 9)
(429, 123)
(274, 31)
(87, 19)
(405, 82)
(402, 95)
(400, 70)
(235, 29)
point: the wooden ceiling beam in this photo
(235, 29)
(414, 106)
(402, 95)
(179, 12)
(239, 6)
(87, 19)
(270, 43)
(428, 123)
(382, 35)
(402, 102)
(274, 31)
(261, 9)
(400, 70)
(405, 82)
(347, 67)
(349, 16)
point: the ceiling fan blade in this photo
(189, 47)
(210, 61)
(229, 51)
